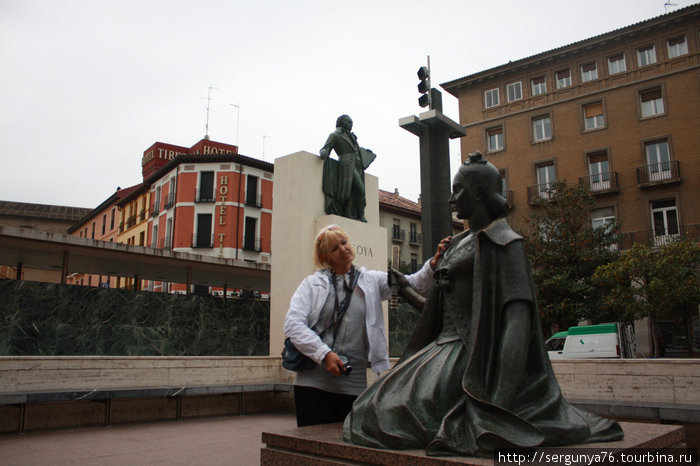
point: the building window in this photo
(491, 98)
(206, 187)
(154, 238)
(171, 193)
(599, 171)
(414, 262)
(251, 191)
(104, 223)
(542, 129)
(504, 184)
(515, 91)
(658, 160)
(396, 230)
(250, 242)
(646, 55)
(156, 205)
(111, 222)
(593, 116)
(545, 179)
(652, 102)
(92, 235)
(589, 72)
(539, 86)
(664, 220)
(203, 238)
(168, 234)
(563, 78)
(494, 139)
(677, 46)
(616, 64)
(413, 231)
(603, 218)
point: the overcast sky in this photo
(87, 85)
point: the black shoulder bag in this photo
(295, 360)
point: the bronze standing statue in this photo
(475, 376)
(344, 180)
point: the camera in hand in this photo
(346, 364)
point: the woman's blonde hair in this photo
(328, 237)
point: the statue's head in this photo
(478, 181)
(344, 121)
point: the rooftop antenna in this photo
(206, 129)
(668, 4)
(265, 137)
(238, 119)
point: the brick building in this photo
(619, 112)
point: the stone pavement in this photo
(232, 440)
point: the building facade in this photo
(618, 112)
(402, 219)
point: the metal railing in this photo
(659, 173)
(250, 244)
(204, 197)
(648, 237)
(253, 200)
(201, 242)
(397, 234)
(540, 191)
(601, 183)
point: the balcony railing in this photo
(142, 215)
(131, 221)
(169, 202)
(204, 197)
(686, 232)
(415, 237)
(659, 173)
(121, 227)
(601, 183)
(540, 191)
(508, 195)
(201, 242)
(251, 244)
(165, 243)
(398, 234)
(253, 200)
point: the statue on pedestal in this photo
(344, 179)
(475, 376)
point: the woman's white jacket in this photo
(309, 298)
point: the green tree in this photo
(565, 250)
(659, 283)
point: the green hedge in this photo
(60, 320)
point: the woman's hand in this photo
(440, 249)
(333, 364)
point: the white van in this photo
(591, 341)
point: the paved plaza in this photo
(233, 440)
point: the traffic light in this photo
(424, 86)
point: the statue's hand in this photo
(401, 285)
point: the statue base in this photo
(323, 444)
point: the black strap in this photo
(339, 311)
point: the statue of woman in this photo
(475, 376)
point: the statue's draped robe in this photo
(439, 396)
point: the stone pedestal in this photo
(323, 444)
(298, 216)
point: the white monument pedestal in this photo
(298, 216)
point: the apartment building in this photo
(619, 112)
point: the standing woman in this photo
(316, 327)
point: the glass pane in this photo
(659, 224)
(672, 221)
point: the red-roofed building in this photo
(402, 219)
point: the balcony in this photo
(658, 174)
(169, 202)
(165, 243)
(415, 237)
(601, 183)
(207, 196)
(253, 200)
(155, 211)
(142, 216)
(201, 242)
(687, 232)
(251, 244)
(131, 221)
(121, 227)
(540, 192)
(397, 234)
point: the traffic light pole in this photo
(434, 130)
